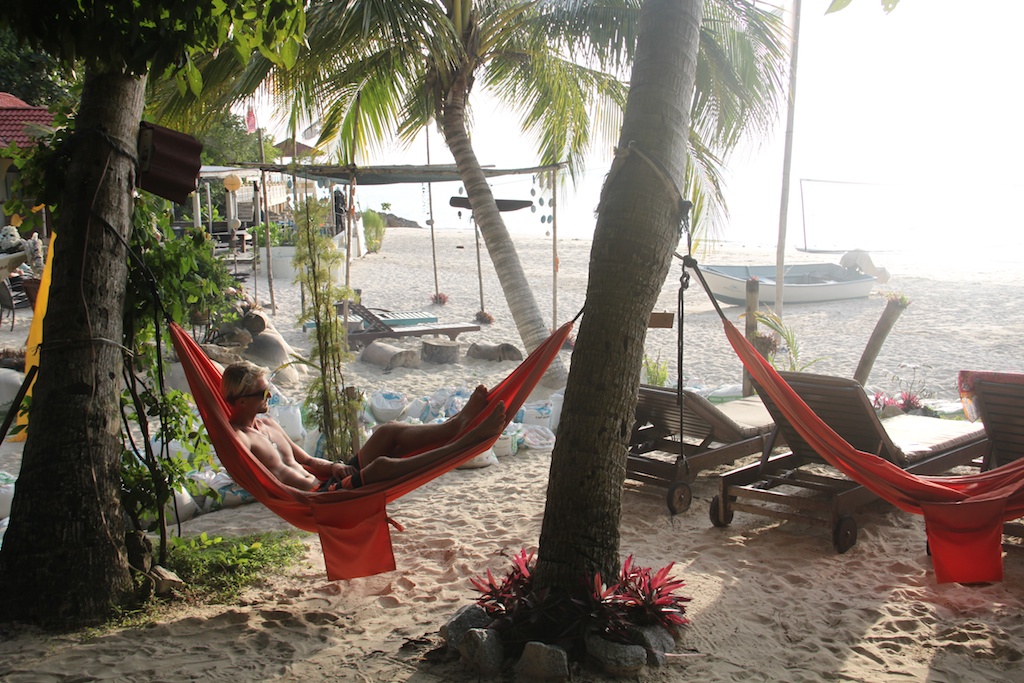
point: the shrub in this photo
(373, 228)
(656, 371)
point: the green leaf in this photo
(289, 52)
(195, 79)
(838, 5)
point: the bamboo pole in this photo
(266, 224)
(554, 250)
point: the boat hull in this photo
(803, 283)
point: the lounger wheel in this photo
(714, 513)
(844, 535)
(679, 497)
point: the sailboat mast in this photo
(787, 161)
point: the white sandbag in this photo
(387, 405)
(6, 494)
(436, 404)
(485, 459)
(418, 409)
(457, 400)
(289, 416)
(233, 495)
(538, 437)
(507, 444)
(537, 414)
(183, 508)
(10, 384)
(556, 409)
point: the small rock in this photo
(470, 616)
(617, 659)
(543, 662)
(482, 647)
(658, 641)
(165, 580)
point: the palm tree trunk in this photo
(63, 562)
(638, 228)
(509, 269)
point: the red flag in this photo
(250, 121)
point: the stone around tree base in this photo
(657, 641)
(542, 662)
(615, 658)
(469, 616)
(482, 647)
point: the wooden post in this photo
(750, 329)
(892, 311)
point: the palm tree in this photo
(637, 231)
(374, 70)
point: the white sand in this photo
(771, 601)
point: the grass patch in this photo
(217, 570)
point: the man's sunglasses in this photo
(263, 393)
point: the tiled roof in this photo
(14, 115)
(9, 100)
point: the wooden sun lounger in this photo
(392, 318)
(798, 485)
(702, 435)
(1000, 401)
(376, 328)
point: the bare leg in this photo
(397, 439)
(384, 468)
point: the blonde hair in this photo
(238, 378)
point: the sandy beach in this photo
(772, 601)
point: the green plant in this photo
(280, 235)
(173, 277)
(317, 261)
(655, 370)
(787, 334)
(373, 229)
(218, 570)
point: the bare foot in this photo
(474, 406)
(492, 425)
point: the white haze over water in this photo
(911, 117)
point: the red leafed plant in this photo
(639, 598)
(440, 298)
(484, 318)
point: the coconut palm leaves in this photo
(375, 71)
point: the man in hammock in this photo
(245, 387)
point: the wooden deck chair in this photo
(800, 485)
(377, 328)
(392, 318)
(997, 399)
(701, 435)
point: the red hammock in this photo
(963, 515)
(353, 525)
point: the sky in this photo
(906, 136)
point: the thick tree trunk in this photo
(514, 285)
(63, 562)
(638, 227)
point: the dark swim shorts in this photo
(353, 481)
